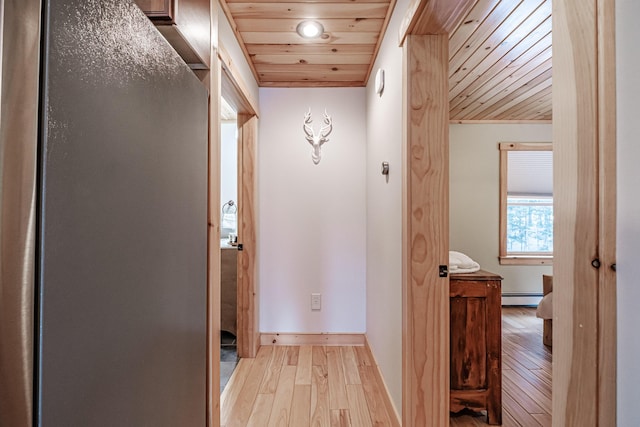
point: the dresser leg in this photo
(494, 412)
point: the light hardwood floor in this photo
(526, 373)
(301, 386)
(336, 386)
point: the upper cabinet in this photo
(157, 9)
(186, 26)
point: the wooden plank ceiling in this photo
(342, 56)
(500, 62)
(500, 53)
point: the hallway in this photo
(306, 385)
(336, 386)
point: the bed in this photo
(545, 310)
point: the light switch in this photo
(316, 301)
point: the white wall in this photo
(227, 38)
(228, 162)
(628, 210)
(475, 193)
(384, 211)
(312, 222)
(228, 166)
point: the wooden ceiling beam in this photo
(433, 16)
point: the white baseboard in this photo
(532, 299)
(388, 403)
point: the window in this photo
(526, 203)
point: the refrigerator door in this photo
(123, 224)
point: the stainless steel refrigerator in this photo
(103, 202)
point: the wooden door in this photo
(247, 185)
(584, 212)
(584, 383)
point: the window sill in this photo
(526, 260)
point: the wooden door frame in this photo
(223, 79)
(425, 204)
(425, 296)
(584, 33)
(237, 94)
(607, 152)
(247, 307)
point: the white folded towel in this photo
(461, 263)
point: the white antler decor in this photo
(318, 140)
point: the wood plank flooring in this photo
(526, 374)
(301, 386)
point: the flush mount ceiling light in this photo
(310, 29)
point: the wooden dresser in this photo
(476, 343)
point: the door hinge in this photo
(240, 247)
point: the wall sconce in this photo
(385, 168)
(385, 171)
(379, 82)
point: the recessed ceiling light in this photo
(310, 29)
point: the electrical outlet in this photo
(316, 301)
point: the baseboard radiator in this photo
(519, 298)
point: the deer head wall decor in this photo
(318, 140)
